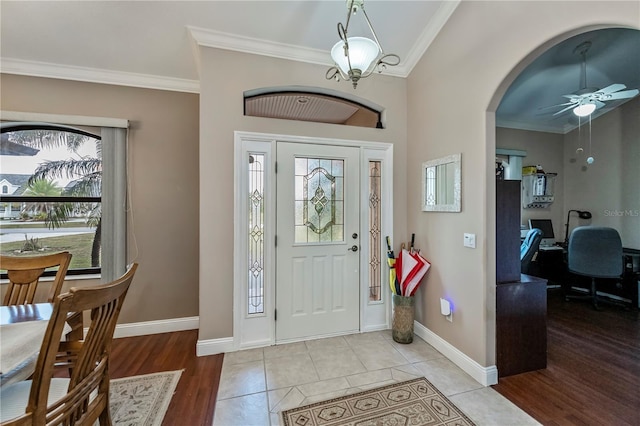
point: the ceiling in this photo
(151, 44)
(614, 57)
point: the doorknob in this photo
(353, 248)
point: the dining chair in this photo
(24, 274)
(82, 398)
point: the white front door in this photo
(318, 241)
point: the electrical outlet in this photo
(449, 317)
(470, 240)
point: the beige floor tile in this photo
(290, 370)
(245, 355)
(379, 355)
(487, 407)
(355, 340)
(417, 351)
(324, 386)
(284, 399)
(405, 372)
(241, 379)
(362, 379)
(324, 397)
(329, 343)
(287, 349)
(447, 376)
(248, 410)
(377, 385)
(336, 363)
(275, 418)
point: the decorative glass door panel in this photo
(319, 203)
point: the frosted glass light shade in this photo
(362, 52)
(584, 109)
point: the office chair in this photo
(594, 252)
(528, 249)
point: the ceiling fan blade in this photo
(556, 106)
(621, 95)
(566, 109)
(598, 104)
(612, 88)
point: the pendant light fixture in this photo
(358, 57)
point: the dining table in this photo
(22, 329)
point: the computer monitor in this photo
(546, 226)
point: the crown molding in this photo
(534, 127)
(93, 75)
(431, 30)
(220, 40)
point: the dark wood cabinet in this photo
(521, 326)
(521, 300)
(507, 230)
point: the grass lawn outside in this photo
(78, 245)
(26, 224)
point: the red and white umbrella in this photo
(414, 268)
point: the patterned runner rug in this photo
(414, 402)
(142, 400)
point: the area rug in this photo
(142, 400)
(415, 402)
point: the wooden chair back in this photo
(87, 398)
(24, 275)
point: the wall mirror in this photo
(441, 184)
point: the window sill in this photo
(67, 278)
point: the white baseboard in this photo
(214, 346)
(486, 376)
(156, 327)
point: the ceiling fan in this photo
(588, 99)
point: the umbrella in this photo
(391, 261)
(415, 278)
(405, 266)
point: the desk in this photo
(22, 329)
(550, 264)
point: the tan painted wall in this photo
(608, 188)
(546, 149)
(163, 174)
(225, 75)
(452, 96)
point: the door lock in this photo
(354, 235)
(353, 248)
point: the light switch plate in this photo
(470, 240)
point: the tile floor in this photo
(256, 384)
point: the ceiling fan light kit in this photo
(584, 109)
(358, 57)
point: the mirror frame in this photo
(456, 159)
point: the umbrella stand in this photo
(405, 275)
(403, 315)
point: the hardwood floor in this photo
(194, 400)
(593, 369)
(592, 376)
